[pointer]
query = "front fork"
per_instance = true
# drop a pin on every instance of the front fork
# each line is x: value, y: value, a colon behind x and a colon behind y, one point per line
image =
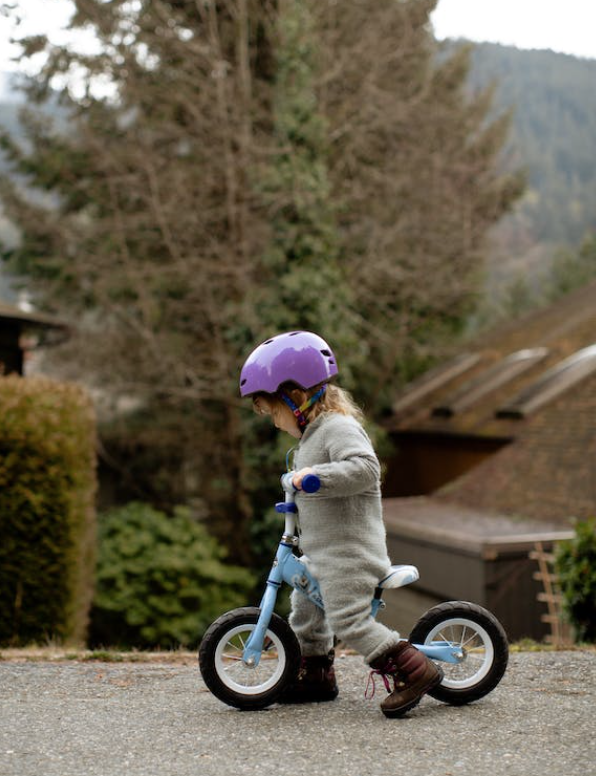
x: 254, y: 645
x: 286, y: 568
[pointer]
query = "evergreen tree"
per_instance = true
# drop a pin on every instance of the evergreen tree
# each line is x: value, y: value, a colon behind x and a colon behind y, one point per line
x: 571, y: 270
x: 150, y: 240
x: 415, y: 160
x: 258, y: 166
x: 303, y: 286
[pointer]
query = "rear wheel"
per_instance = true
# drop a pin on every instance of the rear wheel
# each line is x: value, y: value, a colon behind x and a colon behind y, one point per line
x: 227, y: 675
x: 478, y: 636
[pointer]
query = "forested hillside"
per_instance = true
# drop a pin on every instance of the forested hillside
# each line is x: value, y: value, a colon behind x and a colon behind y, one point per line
x: 8, y: 119
x: 553, y: 136
x: 11, y: 105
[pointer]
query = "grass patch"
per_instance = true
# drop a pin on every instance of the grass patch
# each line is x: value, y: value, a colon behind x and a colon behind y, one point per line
x: 529, y: 645
x: 57, y: 655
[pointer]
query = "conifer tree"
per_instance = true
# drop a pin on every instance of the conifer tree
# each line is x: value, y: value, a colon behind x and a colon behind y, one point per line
x: 415, y: 161
x: 303, y: 286
x: 150, y: 239
x: 258, y: 165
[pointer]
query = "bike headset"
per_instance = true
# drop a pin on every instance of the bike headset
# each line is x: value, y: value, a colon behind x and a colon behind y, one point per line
x: 298, y: 357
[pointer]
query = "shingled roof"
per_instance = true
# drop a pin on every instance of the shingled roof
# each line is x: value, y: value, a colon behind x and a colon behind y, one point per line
x: 32, y: 321
x: 532, y: 385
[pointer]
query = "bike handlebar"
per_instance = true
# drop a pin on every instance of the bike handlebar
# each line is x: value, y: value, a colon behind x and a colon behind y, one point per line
x: 310, y: 483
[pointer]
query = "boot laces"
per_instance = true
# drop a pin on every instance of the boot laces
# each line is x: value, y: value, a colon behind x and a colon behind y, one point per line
x: 389, y: 670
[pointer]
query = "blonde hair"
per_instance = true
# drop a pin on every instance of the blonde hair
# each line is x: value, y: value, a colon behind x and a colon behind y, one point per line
x: 335, y: 399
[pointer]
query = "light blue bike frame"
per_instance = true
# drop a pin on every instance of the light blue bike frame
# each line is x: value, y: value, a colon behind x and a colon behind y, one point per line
x: 295, y: 572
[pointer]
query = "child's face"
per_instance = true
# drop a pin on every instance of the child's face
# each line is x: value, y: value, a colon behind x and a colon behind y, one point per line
x: 281, y: 415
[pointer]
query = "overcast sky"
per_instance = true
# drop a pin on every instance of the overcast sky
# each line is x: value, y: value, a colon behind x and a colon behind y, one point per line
x: 567, y: 26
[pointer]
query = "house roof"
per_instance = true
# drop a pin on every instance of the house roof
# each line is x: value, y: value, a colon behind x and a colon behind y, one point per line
x: 470, y: 393
x: 432, y: 522
x: 548, y: 471
x: 49, y: 328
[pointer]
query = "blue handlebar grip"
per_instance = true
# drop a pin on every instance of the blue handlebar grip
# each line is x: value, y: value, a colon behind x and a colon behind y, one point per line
x: 311, y: 483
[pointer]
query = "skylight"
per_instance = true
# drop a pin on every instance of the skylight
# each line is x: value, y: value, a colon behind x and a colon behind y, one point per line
x: 434, y: 379
x: 553, y: 383
x: 489, y: 380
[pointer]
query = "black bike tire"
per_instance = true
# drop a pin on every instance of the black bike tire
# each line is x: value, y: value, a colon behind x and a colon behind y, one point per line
x: 462, y: 609
x: 247, y: 615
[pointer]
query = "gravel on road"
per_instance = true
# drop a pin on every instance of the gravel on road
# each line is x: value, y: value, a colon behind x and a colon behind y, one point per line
x: 148, y: 719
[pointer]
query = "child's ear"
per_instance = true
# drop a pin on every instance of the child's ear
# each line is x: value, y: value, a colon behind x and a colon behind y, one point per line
x: 261, y: 405
x: 298, y: 396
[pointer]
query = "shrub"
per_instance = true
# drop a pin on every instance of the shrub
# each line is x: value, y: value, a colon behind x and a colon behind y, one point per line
x: 47, y: 517
x: 161, y: 579
x: 576, y: 567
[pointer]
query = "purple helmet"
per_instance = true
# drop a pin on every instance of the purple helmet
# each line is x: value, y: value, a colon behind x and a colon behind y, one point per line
x: 299, y: 357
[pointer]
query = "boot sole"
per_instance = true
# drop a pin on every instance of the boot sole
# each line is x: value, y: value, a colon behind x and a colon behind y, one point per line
x: 308, y: 699
x: 399, y: 712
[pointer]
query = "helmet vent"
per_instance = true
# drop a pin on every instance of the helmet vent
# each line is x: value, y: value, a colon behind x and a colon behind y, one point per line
x: 243, y: 382
x: 326, y: 353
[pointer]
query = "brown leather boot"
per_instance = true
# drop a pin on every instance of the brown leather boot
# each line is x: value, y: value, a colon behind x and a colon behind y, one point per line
x: 413, y: 675
x: 315, y: 682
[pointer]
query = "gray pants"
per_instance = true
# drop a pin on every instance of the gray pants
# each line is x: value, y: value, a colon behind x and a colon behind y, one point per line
x: 347, y: 615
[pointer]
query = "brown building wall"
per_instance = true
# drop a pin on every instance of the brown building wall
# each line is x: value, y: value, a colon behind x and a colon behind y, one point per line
x: 423, y: 463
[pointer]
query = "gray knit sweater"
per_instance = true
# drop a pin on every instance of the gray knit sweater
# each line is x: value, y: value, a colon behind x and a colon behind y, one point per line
x: 341, y: 525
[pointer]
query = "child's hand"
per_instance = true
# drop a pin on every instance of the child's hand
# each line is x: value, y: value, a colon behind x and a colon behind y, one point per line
x: 299, y: 476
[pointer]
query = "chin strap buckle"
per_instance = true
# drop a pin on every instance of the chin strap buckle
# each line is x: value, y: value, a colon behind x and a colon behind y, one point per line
x: 297, y: 411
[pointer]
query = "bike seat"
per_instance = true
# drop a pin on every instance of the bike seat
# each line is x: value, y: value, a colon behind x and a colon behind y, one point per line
x: 398, y: 576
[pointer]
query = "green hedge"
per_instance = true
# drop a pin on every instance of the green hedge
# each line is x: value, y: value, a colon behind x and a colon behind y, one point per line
x: 47, y: 518
x: 576, y: 567
x: 161, y: 580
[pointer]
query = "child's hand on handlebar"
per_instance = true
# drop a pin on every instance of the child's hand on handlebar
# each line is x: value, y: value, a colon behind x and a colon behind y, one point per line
x: 300, y: 475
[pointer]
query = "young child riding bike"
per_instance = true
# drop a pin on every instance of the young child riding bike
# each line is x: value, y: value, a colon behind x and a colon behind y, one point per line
x: 289, y: 378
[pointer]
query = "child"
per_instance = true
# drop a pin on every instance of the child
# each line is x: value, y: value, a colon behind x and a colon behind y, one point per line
x: 341, y: 526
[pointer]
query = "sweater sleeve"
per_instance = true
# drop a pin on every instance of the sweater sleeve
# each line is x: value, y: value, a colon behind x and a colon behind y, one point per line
x: 353, y: 465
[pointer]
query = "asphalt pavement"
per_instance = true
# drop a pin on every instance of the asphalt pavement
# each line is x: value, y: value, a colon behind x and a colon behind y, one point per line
x: 158, y: 719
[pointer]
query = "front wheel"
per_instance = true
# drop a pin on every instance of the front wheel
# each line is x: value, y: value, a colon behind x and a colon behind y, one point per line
x: 229, y: 678
x: 478, y: 636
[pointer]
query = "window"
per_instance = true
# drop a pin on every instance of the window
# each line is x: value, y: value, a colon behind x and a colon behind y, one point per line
x: 553, y: 383
x: 489, y: 380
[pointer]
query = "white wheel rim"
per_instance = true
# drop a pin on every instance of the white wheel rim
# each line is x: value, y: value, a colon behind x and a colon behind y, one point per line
x: 476, y: 645
x: 236, y: 675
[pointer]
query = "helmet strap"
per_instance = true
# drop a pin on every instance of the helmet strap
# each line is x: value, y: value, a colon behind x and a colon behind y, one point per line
x: 298, y: 411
